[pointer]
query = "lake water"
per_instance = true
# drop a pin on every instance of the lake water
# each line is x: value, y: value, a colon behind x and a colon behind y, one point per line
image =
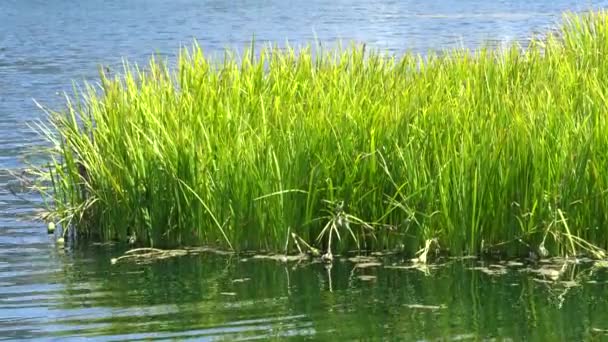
x: 48, y: 292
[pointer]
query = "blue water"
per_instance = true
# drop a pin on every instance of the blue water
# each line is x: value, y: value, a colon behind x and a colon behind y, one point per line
x: 45, y: 45
x: 49, y: 292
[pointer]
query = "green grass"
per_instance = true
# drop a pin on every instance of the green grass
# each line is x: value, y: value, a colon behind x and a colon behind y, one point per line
x: 488, y: 150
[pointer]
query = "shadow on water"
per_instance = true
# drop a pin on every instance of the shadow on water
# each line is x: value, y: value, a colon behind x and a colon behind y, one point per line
x: 218, y: 297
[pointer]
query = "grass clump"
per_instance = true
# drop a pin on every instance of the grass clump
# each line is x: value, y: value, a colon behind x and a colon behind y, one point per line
x: 476, y: 150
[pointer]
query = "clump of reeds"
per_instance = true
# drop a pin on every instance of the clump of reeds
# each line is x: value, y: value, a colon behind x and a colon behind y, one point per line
x: 478, y: 150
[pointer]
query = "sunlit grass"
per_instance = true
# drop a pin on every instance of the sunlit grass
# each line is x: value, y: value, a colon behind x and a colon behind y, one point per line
x: 488, y: 150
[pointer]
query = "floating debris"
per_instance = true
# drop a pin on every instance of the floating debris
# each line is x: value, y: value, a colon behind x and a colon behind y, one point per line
x: 424, y: 268
x: 426, y: 307
x: 491, y: 270
x: 404, y: 267
x: 464, y: 257
x: 240, y: 280
x: 570, y: 283
x: 282, y: 257
x: 383, y: 254
x: 368, y: 264
x: 199, y: 250
x: 513, y: 263
x: 547, y: 272
x: 556, y: 261
x: 103, y: 244
x: 542, y: 281
x: 601, y: 264
x: 363, y: 259
x: 146, y: 255
x: 228, y: 293
x: 599, y: 331
x: 584, y: 260
x: 367, y: 277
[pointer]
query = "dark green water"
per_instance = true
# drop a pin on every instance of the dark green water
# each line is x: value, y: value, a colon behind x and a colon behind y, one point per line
x: 237, y: 298
x: 48, y: 292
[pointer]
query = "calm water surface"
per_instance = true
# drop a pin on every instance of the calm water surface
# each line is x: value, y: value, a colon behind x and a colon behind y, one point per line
x: 48, y: 292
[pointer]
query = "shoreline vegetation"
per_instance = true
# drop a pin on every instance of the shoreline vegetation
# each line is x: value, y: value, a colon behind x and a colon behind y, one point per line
x: 468, y: 152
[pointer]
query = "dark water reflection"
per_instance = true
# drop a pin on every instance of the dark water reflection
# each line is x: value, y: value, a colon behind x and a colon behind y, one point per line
x: 212, y: 297
x: 48, y: 292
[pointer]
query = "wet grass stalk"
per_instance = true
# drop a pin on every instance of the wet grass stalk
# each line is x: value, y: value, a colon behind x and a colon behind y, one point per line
x: 469, y: 148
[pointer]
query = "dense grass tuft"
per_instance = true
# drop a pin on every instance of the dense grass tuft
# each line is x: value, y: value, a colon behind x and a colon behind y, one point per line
x: 480, y: 150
